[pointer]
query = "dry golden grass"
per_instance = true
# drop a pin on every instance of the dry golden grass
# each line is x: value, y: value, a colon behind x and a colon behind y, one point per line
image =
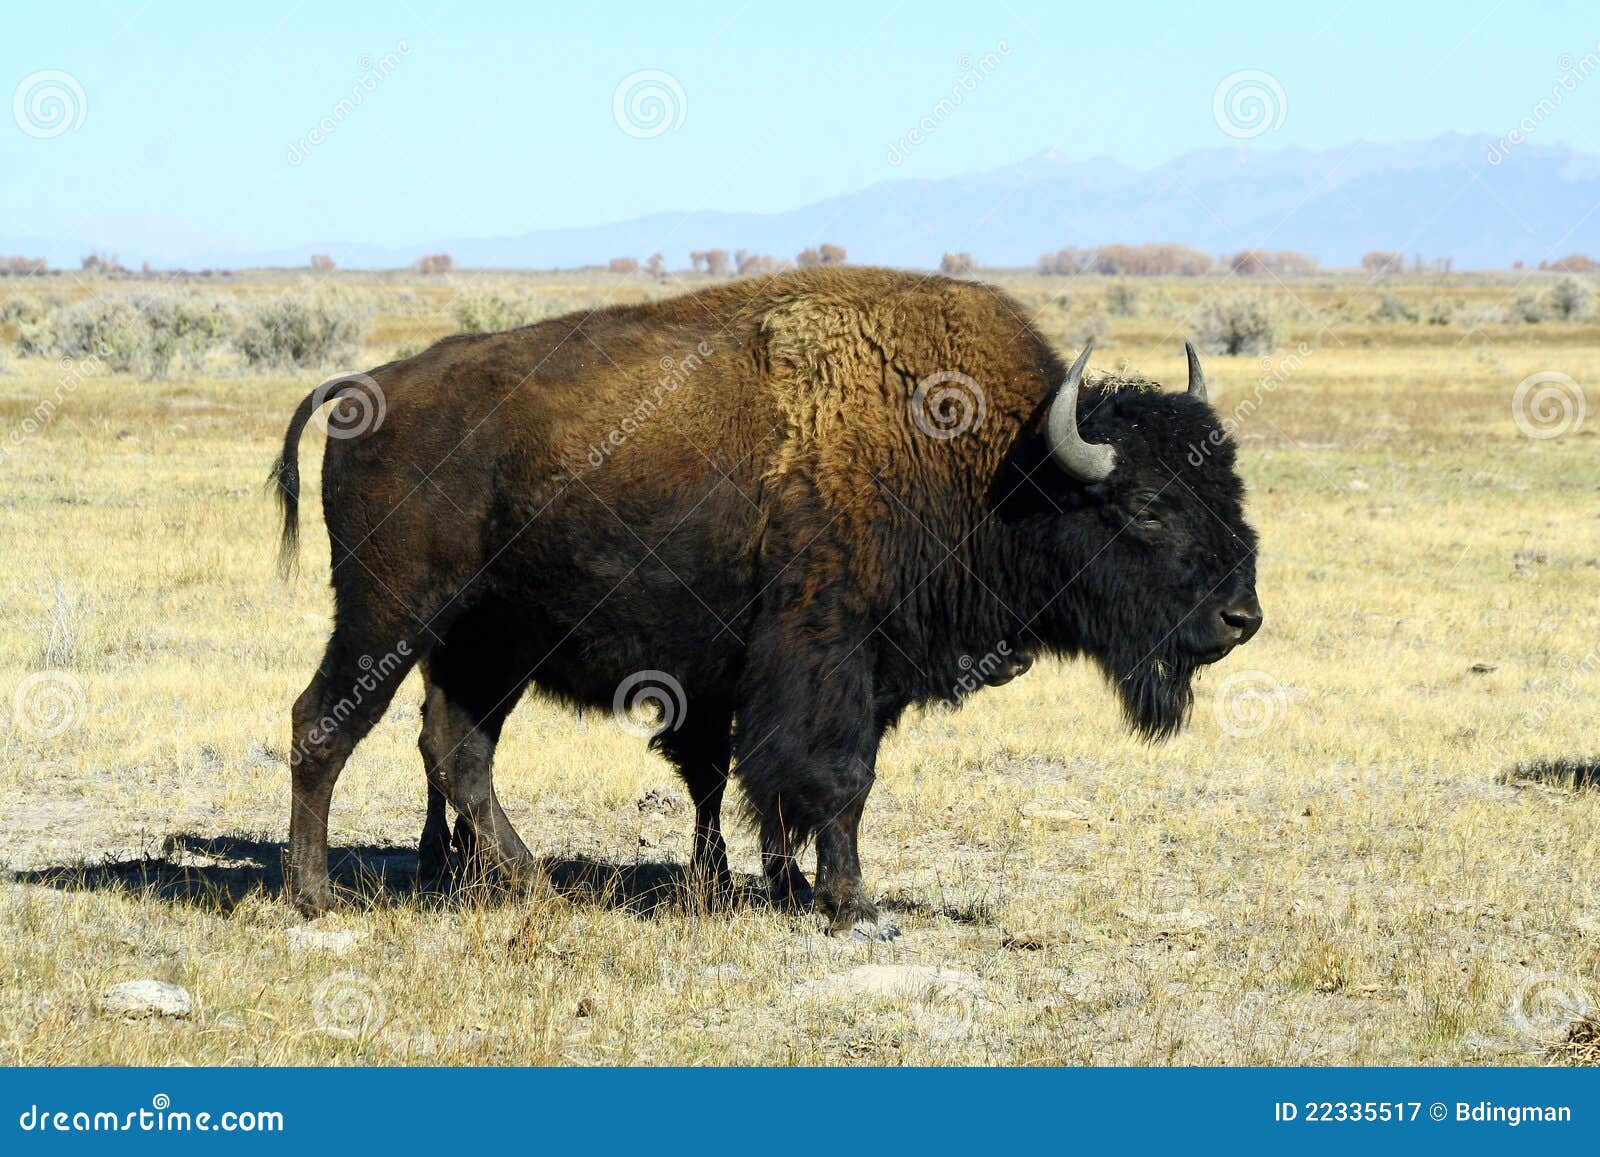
x: 1366, y: 848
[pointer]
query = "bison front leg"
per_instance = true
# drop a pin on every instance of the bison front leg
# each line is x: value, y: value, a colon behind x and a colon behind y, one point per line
x: 807, y: 745
x: 433, y: 849
x: 700, y: 748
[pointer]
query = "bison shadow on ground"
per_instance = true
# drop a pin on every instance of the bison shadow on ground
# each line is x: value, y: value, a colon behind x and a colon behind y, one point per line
x: 220, y: 872
x: 1571, y: 774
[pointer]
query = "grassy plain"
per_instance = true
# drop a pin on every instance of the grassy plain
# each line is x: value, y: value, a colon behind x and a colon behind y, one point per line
x: 1339, y: 862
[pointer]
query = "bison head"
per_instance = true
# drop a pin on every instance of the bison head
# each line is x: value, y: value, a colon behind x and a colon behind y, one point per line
x: 1137, y: 527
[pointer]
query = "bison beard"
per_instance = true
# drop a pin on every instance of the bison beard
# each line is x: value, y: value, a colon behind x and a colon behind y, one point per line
x: 766, y: 494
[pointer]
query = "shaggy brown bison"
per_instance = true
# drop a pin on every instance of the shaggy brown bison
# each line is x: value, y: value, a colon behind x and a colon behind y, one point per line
x: 793, y: 506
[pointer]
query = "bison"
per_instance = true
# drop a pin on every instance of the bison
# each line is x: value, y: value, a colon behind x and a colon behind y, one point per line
x: 795, y: 506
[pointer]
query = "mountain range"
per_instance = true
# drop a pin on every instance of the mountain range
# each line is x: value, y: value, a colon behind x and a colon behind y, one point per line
x: 1480, y: 202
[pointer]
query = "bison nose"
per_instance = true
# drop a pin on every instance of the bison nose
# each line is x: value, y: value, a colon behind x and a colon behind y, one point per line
x: 1244, y: 618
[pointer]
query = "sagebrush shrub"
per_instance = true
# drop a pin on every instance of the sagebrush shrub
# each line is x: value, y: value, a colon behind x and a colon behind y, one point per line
x: 1236, y: 324
x: 26, y: 321
x: 141, y: 333
x: 301, y: 330
x: 1391, y: 309
x: 1570, y: 299
x: 109, y: 329
x: 481, y: 311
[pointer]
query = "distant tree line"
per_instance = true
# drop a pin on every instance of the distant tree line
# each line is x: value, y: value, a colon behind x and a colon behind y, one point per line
x: 742, y: 263
x: 1164, y: 260
x: 1573, y: 263
x: 22, y: 266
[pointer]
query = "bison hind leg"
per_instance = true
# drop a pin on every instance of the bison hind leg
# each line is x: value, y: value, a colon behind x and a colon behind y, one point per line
x: 344, y: 700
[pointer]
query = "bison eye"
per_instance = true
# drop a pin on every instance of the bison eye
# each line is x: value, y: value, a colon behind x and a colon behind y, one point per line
x: 1147, y: 520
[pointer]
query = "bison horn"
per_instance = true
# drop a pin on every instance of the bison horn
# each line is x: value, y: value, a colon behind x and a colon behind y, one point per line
x: 1086, y: 461
x: 1197, y: 376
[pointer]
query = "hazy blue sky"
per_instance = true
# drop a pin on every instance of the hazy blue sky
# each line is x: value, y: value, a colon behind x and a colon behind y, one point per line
x: 498, y: 119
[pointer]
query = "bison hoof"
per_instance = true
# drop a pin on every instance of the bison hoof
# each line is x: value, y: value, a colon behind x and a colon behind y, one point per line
x: 313, y: 901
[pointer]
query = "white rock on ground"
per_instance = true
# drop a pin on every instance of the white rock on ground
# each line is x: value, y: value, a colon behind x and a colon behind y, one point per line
x: 896, y: 980
x: 145, y: 998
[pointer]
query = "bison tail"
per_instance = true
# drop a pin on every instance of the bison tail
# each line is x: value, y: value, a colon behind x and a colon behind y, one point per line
x: 285, y: 477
